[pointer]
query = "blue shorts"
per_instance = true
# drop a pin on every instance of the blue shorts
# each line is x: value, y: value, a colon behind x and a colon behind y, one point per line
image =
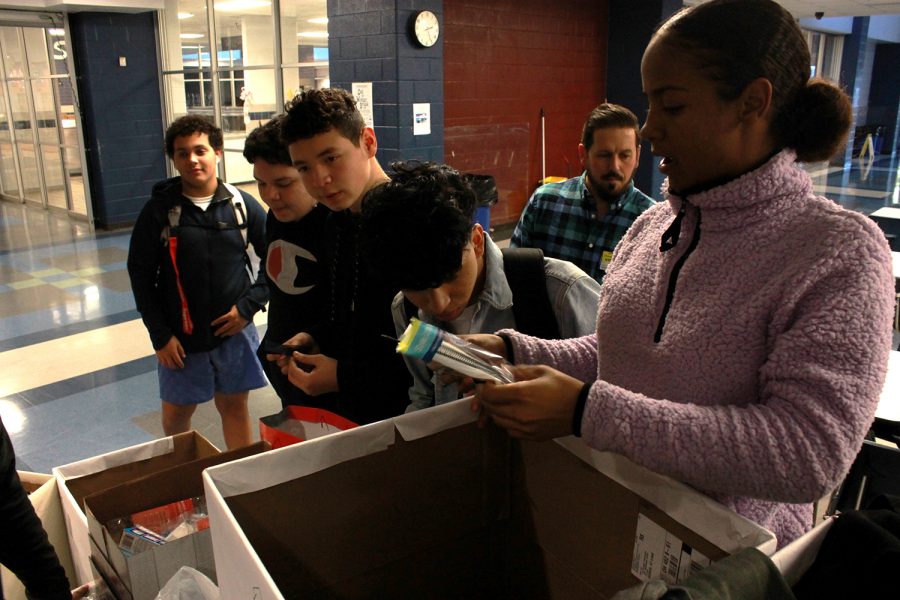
x: 230, y: 368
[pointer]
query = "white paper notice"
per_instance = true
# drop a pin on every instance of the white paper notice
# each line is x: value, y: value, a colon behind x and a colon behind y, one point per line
x: 362, y: 92
x: 660, y: 555
x: 422, y: 118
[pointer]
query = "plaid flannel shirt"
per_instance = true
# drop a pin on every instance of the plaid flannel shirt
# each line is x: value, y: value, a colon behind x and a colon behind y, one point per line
x: 561, y: 219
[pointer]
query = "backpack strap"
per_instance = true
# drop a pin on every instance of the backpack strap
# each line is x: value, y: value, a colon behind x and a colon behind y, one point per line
x: 240, y: 211
x: 170, y: 229
x: 524, y: 269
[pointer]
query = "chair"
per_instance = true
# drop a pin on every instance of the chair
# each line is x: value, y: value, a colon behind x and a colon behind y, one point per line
x: 875, y: 471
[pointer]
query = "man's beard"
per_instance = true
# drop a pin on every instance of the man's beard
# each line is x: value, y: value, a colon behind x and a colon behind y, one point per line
x: 602, y: 188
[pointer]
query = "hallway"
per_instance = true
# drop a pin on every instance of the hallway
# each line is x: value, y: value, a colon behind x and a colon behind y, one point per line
x: 77, y: 373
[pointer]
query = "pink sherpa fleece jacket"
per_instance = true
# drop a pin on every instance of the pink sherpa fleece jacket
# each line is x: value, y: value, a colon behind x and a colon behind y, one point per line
x: 771, y: 352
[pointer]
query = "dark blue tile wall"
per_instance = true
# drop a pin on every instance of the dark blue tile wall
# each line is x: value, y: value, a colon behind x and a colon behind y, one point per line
x: 631, y: 27
x: 369, y: 41
x: 121, y: 109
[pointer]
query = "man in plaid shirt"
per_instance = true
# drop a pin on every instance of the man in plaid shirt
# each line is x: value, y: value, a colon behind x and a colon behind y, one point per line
x: 582, y: 219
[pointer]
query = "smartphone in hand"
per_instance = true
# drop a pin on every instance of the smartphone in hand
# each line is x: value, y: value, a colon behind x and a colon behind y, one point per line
x: 270, y: 347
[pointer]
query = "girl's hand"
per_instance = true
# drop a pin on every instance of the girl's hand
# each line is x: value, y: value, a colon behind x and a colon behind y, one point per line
x: 539, y: 405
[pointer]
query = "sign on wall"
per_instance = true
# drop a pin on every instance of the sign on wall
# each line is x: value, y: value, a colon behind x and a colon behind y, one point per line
x: 422, y: 118
x: 362, y: 92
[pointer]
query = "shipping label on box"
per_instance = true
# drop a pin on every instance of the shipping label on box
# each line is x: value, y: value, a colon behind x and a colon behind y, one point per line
x: 430, y: 504
x: 659, y: 554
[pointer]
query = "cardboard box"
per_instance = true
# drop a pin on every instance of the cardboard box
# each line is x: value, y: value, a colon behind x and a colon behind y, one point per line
x: 79, y: 479
x: 44, y: 495
x: 102, y: 571
x: 145, y: 573
x: 797, y: 557
x: 429, y: 505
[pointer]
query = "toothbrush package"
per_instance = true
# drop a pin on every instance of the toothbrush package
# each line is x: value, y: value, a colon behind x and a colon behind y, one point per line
x: 432, y: 344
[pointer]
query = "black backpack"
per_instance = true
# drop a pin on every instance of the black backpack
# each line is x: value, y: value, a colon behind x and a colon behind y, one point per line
x: 524, y: 268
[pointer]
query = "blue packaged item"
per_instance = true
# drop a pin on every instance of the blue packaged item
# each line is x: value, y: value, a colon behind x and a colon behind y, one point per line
x: 432, y: 344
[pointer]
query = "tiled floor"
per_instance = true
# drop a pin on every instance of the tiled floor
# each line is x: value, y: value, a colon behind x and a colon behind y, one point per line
x: 77, y: 374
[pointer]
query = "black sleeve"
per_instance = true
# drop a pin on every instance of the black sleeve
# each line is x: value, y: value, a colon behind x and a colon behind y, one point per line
x: 373, y: 379
x: 143, y: 268
x: 24, y: 547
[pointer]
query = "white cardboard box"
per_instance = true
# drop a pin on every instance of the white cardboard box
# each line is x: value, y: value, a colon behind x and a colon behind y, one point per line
x: 795, y: 559
x: 428, y: 504
x: 44, y: 497
x: 79, y: 479
x: 145, y: 573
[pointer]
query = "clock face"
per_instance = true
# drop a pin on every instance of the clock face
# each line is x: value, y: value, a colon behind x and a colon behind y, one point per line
x: 426, y: 28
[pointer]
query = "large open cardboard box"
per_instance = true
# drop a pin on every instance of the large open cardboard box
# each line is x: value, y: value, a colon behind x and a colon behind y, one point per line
x: 44, y: 495
x: 79, y: 479
x: 144, y: 574
x: 797, y: 557
x: 430, y: 505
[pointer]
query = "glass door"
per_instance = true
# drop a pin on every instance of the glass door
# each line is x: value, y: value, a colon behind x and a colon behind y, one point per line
x: 40, y: 143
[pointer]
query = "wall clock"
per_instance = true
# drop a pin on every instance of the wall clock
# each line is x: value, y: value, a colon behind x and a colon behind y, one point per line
x: 425, y: 28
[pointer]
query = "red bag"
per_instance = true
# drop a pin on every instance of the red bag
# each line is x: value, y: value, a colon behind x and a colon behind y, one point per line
x: 300, y: 423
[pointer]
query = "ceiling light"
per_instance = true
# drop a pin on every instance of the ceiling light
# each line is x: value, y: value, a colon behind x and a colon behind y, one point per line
x: 318, y: 21
x: 185, y: 15
x: 56, y: 32
x: 191, y: 36
x: 313, y: 34
x: 239, y: 5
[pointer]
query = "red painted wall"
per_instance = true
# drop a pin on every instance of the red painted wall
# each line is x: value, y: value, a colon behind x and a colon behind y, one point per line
x: 504, y: 60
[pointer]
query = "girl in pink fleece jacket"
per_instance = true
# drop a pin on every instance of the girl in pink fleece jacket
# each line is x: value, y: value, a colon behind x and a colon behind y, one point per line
x: 744, y: 326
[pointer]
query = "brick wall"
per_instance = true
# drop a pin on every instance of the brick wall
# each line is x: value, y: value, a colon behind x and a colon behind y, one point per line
x: 121, y: 110
x: 503, y: 62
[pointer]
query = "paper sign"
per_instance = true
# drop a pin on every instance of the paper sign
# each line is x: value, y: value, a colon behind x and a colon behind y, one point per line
x: 660, y: 555
x: 362, y: 92
x: 422, y: 118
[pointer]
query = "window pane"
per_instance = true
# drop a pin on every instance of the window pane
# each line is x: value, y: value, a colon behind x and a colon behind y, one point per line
x: 183, y: 23
x: 244, y: 33
x: 21, y: 117
x: 303, y: 23
x: 14, y: 59
x: 36, y: 49
x: 297, y: 79
x: 53, y: 176
x: 304, y: 42
x: 8, y: 183
x: 29, y: 172
x: 249, y: 113
x: 4, y: 120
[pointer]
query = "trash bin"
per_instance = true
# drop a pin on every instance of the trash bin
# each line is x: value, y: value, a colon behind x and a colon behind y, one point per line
x: 485, y: 188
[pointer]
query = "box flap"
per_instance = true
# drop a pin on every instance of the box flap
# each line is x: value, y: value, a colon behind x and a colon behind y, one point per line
x: 726, y: 529
x: 101, y: 472
x: 241, y: 476
x: 156, y: 489
x: 794, y: 559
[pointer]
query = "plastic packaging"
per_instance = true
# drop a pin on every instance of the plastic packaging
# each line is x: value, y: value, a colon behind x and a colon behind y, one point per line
x: 432, y: 344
